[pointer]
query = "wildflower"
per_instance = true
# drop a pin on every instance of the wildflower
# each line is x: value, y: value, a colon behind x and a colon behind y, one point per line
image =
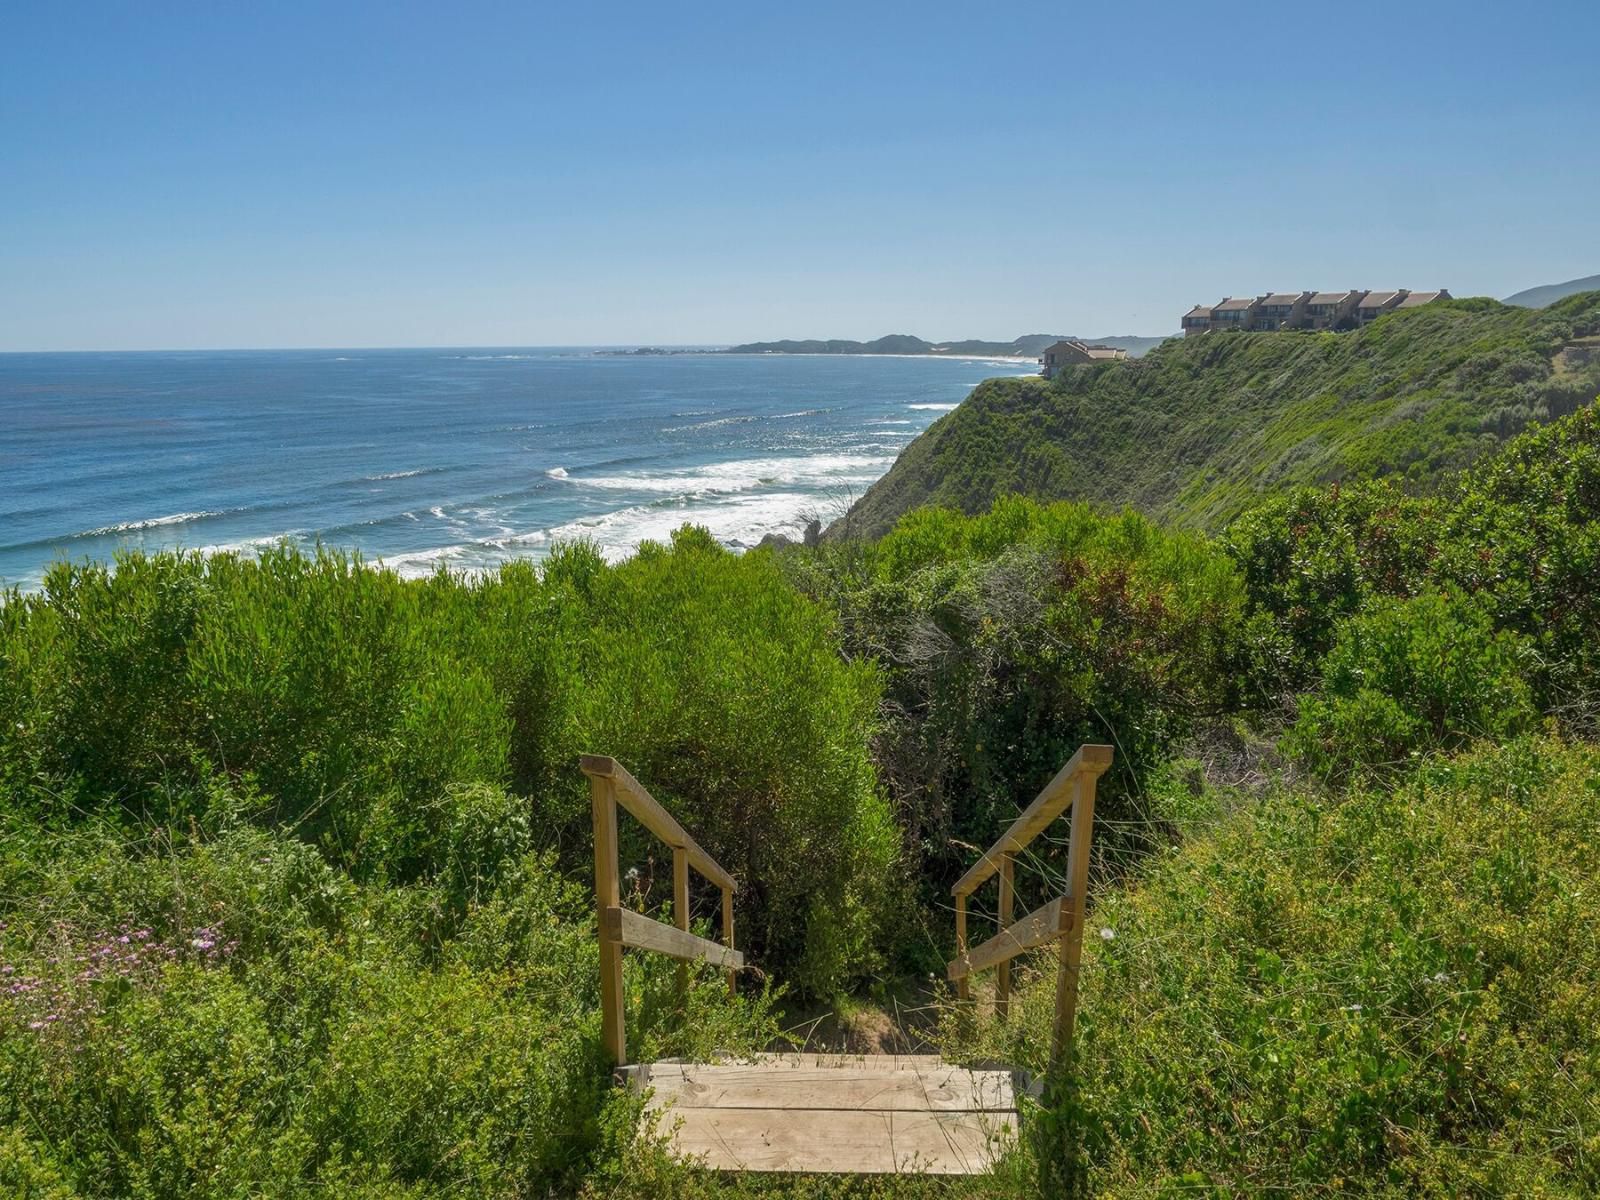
x: 36, y: 1025
x: 201, y: 943
x: 1107, y: 934
x: 1352, y: 1008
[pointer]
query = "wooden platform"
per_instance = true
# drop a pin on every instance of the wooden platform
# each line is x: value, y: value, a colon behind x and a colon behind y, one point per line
x: 867, y: 1114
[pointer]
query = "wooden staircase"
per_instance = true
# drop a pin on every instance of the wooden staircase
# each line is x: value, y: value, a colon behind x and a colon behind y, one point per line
x: 848, y: 1113
x: 845, y: 1113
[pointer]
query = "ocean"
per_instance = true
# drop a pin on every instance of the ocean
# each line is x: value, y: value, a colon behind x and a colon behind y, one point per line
x: 460, y: 458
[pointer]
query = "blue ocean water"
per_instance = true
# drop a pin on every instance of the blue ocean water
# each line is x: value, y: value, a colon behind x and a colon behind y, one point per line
x: 462, y: 457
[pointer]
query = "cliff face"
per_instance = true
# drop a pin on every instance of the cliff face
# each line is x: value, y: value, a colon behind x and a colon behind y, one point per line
x: 1198, y: 429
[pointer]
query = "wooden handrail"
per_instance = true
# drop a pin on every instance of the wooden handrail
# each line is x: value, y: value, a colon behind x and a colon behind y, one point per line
x: 631, y: 795
x: 1046, y: 807
x: 1060, y: 920
x: 610, y: 784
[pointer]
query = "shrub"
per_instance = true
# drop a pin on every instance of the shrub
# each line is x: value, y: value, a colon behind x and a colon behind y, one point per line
x: 409, y: 728
x: 1388, y: 996
x: 1407, y: 676
x: 1011, y: 638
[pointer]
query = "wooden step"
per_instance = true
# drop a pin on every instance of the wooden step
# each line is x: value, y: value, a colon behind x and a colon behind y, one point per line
x: 834, y: 1113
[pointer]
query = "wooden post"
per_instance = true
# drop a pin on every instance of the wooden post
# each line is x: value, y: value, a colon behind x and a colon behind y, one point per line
x: 680, y: 913
x: 727, y: 937
x: 1078, y: 844
x: 608, y: 894
x: 963, y: 987
x: 1002, y: 982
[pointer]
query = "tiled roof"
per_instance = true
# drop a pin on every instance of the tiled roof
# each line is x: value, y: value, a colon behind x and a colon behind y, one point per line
x: 1231, y: 305
x: 1418, y: 299
x: 1331, y: 297
x: 1199, y: 310
x: 1286, y: 299
x: 1379, y: 299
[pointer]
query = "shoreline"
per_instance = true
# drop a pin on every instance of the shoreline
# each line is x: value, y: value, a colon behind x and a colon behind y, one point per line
x: 980, y: 358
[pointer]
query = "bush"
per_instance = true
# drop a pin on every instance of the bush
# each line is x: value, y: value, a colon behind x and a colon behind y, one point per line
x: 1388, y: 996
x: 1408, y: 676
x: 229, y: 1016
x: 404, y: 726
x: 1010, y: 639
x: 1520, y: 531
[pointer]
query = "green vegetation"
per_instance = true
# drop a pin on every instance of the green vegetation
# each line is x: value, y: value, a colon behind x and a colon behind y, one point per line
x: 1029, y: 345
x: 1200, y: 429
x: 1388, y: 995
x: 295, y: 858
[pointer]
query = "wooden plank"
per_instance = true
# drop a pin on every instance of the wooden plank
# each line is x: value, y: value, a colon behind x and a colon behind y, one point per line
x: 1002, y: 975
x: 727, y: 936
x: 1079, y: 841
x: 813, y: 1059
x: 635, y: 929
x: 841, y: 1141
x: 680, y: 912
x: 939, y: 1087
x: 963, y: 988
x: 630, y: 793
x: 1090, y: 761
x: 607, y: 896
x: 1044, y: 924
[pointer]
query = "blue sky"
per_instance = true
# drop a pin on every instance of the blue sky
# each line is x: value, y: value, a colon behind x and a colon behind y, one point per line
x: 286, y: 174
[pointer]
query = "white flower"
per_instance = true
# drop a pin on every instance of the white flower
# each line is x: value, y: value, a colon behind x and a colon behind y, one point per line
x: 1107, y: 934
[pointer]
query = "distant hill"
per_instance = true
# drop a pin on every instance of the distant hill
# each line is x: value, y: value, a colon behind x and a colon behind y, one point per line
x: 1539, y: 297
x: 1197, y: 429
x: 1029, y: 345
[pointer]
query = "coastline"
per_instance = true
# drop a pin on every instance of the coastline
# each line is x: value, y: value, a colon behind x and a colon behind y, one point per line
x: 557, y: 450
x: 1009, y: 359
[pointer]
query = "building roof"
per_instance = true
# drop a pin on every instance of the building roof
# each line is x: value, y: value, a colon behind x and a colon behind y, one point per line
x: 1418, y: 299
x: 1379, y: 299
x: 1332, y: 297
x: 1287, y: 299
x: 1105, y: 352
x: 1199, y: 310
x: 1229, y: 304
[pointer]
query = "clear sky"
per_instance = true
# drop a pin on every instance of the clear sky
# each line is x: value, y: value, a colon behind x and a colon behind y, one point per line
x: 381, y: 174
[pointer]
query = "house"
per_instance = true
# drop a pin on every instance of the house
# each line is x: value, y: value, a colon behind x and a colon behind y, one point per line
x: 1282, y: 310
x: 1071, y: 353
x: 1332, y: 310
x: 1235, y: 314
x: 1418, y: 299
x: 1197, y: 320
x: 1375, y: 304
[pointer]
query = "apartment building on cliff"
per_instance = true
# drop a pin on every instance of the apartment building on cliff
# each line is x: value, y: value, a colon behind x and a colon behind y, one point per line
x: 1301, y: 310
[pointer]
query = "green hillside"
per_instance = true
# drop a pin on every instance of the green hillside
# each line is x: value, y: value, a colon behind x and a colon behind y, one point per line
x: 1197, y: 430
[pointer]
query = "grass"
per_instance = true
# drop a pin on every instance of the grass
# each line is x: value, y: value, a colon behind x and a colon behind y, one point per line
x: 1385, y: 993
